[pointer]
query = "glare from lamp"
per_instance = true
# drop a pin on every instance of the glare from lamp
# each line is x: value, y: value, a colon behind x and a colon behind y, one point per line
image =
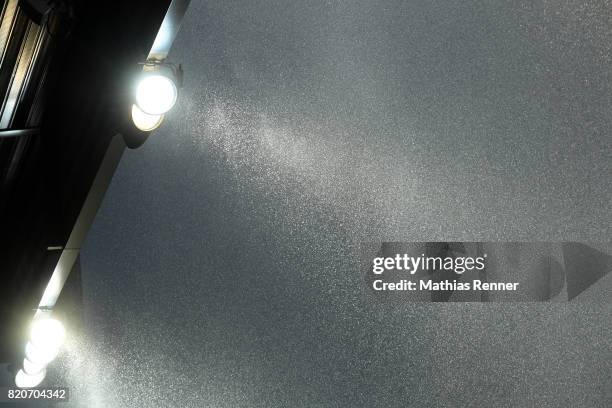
x: 25, y: 380
x: 31, y: 368
x: 40, y: 355
x: 156, y: 94
x: 144, y: 121
x: 47, y: 333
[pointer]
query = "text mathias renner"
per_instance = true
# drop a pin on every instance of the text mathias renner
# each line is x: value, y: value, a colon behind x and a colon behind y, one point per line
x: 406, y: 284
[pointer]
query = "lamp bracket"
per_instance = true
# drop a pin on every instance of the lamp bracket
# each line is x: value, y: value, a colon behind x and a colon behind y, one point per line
x: 177, y: 70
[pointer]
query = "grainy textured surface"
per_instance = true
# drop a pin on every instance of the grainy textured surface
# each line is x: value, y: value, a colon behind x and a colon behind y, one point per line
x: 222, y: 269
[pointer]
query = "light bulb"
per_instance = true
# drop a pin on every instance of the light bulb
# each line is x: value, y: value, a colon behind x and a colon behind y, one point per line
x: 31, y: 368
x: 25, y: 380
x: 144, y: 121
x: 156, y: 94
x: 40, y: 355
x: 47, y: 333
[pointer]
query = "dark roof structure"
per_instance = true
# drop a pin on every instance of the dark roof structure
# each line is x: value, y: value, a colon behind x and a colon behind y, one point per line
x: 65, y: 92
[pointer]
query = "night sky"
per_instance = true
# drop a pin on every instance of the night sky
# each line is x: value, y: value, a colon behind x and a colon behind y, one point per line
x: 223, y: 267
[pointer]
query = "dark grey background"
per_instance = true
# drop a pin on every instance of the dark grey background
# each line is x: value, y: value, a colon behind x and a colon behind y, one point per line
x: 223, y: 270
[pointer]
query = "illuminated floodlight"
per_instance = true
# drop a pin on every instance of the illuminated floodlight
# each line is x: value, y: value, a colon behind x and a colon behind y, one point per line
x: 144, y: 121
x: 156, y: 93
x: 46, y: 337
x: 40, y: 355
x: 31, y: 368
x: 25, y: 380
x: 47, y: 333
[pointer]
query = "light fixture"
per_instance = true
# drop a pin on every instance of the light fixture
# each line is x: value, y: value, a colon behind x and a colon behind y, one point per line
x: 46, y: 337
x: 144, y: 121
x: 25, y: 380
x: 40, y: 355
x: 156, y: 92
x: 47, y: 333
x: 31, y: 368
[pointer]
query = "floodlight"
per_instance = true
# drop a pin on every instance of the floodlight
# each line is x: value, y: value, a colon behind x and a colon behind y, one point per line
x: 25, y: 380
x: 31, y: 368
x: 47, y: 333
x: 156, y: 93
x: 40, y: 355
x: 144, y: 121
